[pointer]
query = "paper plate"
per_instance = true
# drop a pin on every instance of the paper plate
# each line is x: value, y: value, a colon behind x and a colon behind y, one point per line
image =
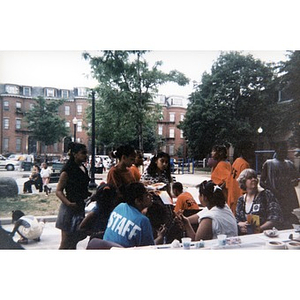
x: 275, y: 245
x: 271, y: 232
x: 293, y: 245
x: 156, y: 186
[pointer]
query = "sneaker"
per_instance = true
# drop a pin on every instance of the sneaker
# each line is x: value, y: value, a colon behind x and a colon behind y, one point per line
x: 23, y: 241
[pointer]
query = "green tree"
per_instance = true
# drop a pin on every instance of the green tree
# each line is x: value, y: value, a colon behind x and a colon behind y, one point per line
x: 230, y: 104
x: 289, y: 72
x: 44, y: 122
x: 124, y: 110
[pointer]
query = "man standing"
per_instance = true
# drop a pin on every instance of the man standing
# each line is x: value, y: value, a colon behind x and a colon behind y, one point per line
x: 281, y: 177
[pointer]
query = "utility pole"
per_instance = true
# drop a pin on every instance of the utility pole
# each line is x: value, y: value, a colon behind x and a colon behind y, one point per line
x: 92, y: 184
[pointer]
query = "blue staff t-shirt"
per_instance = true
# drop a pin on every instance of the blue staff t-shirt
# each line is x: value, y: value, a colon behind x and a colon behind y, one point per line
x: 128, y: 227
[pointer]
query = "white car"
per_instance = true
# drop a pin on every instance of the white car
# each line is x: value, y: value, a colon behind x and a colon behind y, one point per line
x: 9, y: 165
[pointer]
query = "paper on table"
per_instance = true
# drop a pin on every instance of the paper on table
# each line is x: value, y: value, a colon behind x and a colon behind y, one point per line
x: 156, y: 186
x: 165, y: 197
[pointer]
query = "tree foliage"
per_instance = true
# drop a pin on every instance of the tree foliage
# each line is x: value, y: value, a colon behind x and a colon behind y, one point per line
x: 231, y: 103
x: 290, y: 89
x: 124, y: 108
x: 44, y: 122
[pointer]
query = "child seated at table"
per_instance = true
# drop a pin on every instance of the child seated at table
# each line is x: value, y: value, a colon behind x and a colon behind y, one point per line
x: 185, y: 200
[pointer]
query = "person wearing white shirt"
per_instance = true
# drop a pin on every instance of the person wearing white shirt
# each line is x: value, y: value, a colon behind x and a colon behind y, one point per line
x: 45, y: 174
x: 216, y: 218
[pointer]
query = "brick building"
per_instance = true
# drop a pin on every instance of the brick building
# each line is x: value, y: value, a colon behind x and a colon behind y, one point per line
x: 15, y: 100
x: 171, y: 138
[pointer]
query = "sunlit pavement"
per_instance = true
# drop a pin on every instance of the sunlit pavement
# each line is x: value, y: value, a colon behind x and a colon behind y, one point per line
x: 50, y: 239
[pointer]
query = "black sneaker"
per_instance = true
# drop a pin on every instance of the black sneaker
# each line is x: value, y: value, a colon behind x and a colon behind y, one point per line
x: 23, y: 241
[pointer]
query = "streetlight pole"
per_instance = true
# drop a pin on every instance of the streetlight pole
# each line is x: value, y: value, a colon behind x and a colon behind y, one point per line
x: 75, y: 121
x: 259, y: 131
x: 92, y: 184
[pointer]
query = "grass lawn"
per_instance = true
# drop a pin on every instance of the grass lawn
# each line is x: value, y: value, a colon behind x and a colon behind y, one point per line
x: 30, y: 204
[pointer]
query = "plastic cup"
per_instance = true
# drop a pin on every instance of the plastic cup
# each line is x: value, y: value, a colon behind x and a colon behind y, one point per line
x: 186, y: 242
x: 199, y: 244
x: 222, y: 239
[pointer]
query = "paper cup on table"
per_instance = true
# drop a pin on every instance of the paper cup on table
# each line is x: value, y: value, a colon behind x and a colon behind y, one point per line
x: 222, y: 239
x: 199, y: 244
x: 186, y: 242
x: 275, y: 245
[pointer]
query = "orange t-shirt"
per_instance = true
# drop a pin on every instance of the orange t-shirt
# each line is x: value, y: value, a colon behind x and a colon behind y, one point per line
x: 234, y: 191
x: 220, y: 175
x: 185, y: 201
x: 135, y: 172
x: 117, y: 177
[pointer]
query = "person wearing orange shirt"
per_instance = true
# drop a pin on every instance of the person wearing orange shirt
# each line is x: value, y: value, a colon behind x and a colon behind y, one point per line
x: 243, y: 153
x: 120, y: 175
x: 221, y: 171
x: 139, y: 160
x: 185, y: 200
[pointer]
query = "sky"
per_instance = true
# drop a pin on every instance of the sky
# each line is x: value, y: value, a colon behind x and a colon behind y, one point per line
x: 67, y: 69
x: 42, y: 46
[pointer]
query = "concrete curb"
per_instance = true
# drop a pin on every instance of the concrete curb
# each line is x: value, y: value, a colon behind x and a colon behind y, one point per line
x: 7, y: 221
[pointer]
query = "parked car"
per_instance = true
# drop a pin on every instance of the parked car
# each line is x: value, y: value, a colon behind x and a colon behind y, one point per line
x: 21, y: 157
x: 8, y: 164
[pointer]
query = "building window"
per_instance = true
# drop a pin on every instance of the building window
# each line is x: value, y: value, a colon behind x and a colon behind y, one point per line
x: 79, y: 109
x: 18, y: 144
x: 181, y: 117
x: 160, y: 129
x: 31, y: 106
x: 79, y: 126
x: 50, y: 92
x: 6, y: 123
x: 64, y: 93
x: 18, y: 123
x: 171, y: 133
x: 171, y: 149
x: 18, y: 105
x: 82, y: 92
x: 68, y: 124
x: 6, y: 105
x: 55, y: 147
x: 176, y: 101
x: 12, y: 89
x: 67, y: 110
x: 26, y: 91
x: 181, y: 134
x: 5, y: 144
x: 172, y: 117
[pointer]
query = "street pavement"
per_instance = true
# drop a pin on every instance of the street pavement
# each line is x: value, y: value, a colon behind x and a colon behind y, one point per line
x: 50, y: 238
